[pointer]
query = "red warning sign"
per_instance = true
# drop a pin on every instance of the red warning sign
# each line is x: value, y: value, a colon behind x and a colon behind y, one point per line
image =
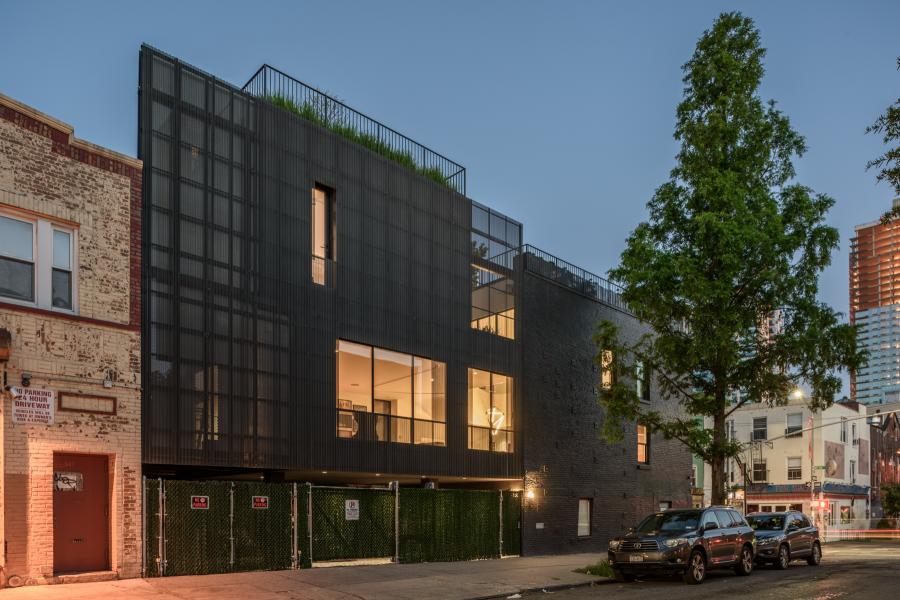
x: 260, y: 502
x: 200, y: 502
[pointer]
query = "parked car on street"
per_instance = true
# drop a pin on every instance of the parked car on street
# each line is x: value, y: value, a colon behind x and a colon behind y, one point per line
x: 685, y: 541
x: 785, y: 536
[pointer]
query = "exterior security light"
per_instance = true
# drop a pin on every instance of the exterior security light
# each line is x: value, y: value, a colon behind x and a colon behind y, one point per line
x: 530, y: 494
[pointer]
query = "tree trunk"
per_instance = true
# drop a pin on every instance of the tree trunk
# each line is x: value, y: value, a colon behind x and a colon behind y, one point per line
x: 717, y: 460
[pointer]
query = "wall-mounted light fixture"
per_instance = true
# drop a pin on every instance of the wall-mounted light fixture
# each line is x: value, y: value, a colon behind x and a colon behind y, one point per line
x: 26, y: 379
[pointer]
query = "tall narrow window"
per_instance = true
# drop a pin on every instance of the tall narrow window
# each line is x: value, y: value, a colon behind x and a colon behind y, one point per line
x: 606, y: 369
x: 642, y: 381
x: 844, y: 429
x: 794, y: 425
x: 643, y: 445
x: 62, y: 269
x: 16, y: 259
x: 584, y: 517
x: 490, y: 411
x: 323, y: 233
x: 760, y: 429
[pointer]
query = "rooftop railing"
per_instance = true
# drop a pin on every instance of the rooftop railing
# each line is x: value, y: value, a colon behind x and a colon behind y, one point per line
x: 575, y: 278
x: 279, y: 88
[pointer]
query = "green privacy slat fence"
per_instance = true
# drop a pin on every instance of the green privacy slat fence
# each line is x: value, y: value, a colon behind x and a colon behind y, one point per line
x: 263, y: 522
x: 151, y: 529
x: 445, y: 525
x: 512, y: 523
x: 198, y: 540
x: 201, y: 527
x: 336, y: 535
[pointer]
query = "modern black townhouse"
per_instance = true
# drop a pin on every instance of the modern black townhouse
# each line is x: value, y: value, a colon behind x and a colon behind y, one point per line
x: 323, y: 303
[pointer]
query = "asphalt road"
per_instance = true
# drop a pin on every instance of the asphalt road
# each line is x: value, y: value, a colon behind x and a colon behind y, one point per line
x: 848, y: 570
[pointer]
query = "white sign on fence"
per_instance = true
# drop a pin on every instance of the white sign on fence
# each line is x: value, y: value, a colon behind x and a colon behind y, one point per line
x: 32, y: 406
x: 351, y: 510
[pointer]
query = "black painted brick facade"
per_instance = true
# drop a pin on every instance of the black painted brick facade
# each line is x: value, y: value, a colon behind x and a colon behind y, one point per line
x: 565, y: 456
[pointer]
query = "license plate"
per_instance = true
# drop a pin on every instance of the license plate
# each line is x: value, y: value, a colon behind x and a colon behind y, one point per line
x: 636, y: 558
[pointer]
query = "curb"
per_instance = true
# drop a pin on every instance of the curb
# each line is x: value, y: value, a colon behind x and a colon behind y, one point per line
x: 548, y: 588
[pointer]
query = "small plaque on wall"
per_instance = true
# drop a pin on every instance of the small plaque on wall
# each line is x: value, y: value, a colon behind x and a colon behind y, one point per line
x: 87, y: 403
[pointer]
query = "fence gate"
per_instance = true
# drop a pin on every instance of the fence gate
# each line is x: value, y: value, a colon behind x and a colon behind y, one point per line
x: 204, y: 527
x: 349, y: 523
x: 444, y: 525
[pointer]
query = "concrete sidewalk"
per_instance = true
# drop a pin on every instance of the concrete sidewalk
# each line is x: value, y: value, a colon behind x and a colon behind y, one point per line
x: 443, y: 581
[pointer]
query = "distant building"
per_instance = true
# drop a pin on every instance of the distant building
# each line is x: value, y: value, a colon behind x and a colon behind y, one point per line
x: 885, y: 434
x: 875, y: 309
x: 778, y: 470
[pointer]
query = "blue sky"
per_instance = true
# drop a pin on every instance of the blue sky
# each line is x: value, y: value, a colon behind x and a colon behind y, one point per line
x: 562, y: 112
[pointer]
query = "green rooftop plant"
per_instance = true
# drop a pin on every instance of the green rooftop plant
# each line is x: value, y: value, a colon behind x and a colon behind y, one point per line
x: 318, y: 113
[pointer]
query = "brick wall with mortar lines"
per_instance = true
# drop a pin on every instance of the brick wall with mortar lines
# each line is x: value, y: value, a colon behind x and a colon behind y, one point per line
x: 45, y: 171
x: 565, y: 457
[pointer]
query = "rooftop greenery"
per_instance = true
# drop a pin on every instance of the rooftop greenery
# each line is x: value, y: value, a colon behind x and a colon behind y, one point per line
x: 317, y: 114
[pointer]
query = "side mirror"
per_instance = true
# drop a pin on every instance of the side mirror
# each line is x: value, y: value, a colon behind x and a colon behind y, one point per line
x: 709, y: 526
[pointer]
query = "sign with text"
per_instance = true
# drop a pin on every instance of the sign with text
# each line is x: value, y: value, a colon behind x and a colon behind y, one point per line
x: 31, y: 406
x: 260, y: 502
x: 351, y: 510
x: 200, y: 502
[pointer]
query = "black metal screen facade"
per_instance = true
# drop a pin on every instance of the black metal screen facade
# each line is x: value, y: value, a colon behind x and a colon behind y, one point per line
x: 239, y: 336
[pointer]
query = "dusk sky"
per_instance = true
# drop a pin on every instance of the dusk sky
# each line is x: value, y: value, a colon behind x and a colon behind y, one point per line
x: 562, y: 112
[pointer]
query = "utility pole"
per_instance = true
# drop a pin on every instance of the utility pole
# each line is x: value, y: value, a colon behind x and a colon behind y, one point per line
x: 812, y: 467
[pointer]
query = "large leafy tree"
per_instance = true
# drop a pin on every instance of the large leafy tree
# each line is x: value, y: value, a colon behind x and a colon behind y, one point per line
x: 887, y: 166
x: 730, y: 240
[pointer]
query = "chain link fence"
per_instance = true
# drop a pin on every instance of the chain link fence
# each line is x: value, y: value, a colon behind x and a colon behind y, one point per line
x: 204, y: 527
x: 349, y: 523
x: 446, y: 525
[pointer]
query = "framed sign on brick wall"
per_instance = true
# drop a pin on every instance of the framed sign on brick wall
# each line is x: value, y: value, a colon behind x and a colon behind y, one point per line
x: 87, y: 403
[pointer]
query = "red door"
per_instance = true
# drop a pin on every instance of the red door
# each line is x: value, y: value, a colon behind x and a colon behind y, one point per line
x: 80, y: 513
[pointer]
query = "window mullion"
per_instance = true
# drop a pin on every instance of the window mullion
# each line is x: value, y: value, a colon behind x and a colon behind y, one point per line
x: 43, y: 263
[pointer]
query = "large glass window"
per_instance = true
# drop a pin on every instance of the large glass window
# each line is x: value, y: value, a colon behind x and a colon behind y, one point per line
x: 495, y: 239
x: 490, y: 411
x: 390, y: 396
x: 16, y: 259
x: 322, y: 233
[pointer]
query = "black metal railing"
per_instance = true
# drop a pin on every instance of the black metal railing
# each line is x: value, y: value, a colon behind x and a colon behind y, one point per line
x: 281, y: 89
x: 379, y: 427
x: 575, y: 278
x: 493, y: 440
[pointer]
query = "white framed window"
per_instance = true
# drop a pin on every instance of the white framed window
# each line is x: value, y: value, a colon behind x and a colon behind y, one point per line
x: 17, y: 251
x: 794, y: 424
x: 584, y: 517
x: 38, y: 261
x: 844, y: 429
x: 794, y: 468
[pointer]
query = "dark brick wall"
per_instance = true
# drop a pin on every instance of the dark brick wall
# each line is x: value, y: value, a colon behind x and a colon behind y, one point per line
x: 564, y: 455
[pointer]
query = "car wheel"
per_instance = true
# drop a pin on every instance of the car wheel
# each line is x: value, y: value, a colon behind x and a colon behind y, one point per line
x: 622, y: 577
x: 816, y: 557
x: 784, y: 557
x: 745, y: 562
x: 696, y: 570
